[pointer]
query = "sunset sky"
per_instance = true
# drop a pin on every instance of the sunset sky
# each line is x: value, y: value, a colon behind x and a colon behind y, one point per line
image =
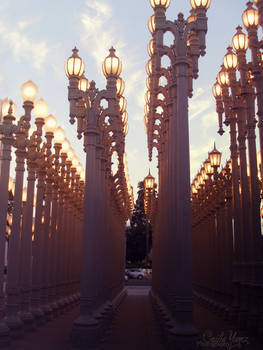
x: 36, y: 37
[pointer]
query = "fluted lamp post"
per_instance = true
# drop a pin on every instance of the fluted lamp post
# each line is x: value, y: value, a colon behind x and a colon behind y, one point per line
x: 148, y: 192
x: 29, y: 92
x: 176, y: 249
x: 103, y: 130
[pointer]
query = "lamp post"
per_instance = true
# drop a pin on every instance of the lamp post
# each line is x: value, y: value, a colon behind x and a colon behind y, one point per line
x: 29, y: 91
x: 104, y: 130
x: 148, y: 193
x: 173, y: 151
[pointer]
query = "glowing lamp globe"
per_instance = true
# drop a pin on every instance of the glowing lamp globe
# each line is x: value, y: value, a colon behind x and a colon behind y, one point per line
x: 215, y: 157
x: 157, y: 3
x: 250, y: 16
x: 120, y: 85
x: 149, y: 68
x: 151, y: 24
x: 208, y: 167
x: 65, y: 146
x: 41, y: 109
x: 74, y: 65
x: 70, y: 154
x: 50, y: 123
x: 223, y: 78
x: 200, y: 4
x: 24, y: 194
x: 112, y: 65
x: 125, y: 129
x: 6, y: 104
x: 29, y: 91
x: 124, y: 117
x: 122, y: 104
x: 59, y: 135
x: 149, y: 181
x: 75, y: 162
x: 83, y: 84
x: 150, y: 48
x: 240, y: 41
x: 230, y: 59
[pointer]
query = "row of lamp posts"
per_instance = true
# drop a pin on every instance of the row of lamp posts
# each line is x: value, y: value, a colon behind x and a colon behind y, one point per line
x: 102, y: 118
x: 239, y: 95
x: 166, y: 122
x: 42, y: 268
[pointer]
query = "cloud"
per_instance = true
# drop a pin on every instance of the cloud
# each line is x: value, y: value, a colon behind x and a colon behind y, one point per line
x: 198, y: 106
x: 97, y: 30
x: 21, y: 45
x: 208, y: 120
x: 100, y: 31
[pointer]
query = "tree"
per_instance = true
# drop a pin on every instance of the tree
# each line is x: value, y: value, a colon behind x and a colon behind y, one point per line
x: 136, y: 232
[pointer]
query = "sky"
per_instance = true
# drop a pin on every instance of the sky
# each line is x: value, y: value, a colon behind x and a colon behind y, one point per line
x: 36, y: 38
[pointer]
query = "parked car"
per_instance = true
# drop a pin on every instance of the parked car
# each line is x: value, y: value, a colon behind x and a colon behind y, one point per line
x: 135, y: 273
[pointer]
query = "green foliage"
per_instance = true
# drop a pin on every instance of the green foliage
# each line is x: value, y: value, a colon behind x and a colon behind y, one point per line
x: 136, y: 233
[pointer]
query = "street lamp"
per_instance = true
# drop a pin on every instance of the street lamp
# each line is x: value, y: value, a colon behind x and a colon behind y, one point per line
x: 104, y: 130
x: 166, y: 122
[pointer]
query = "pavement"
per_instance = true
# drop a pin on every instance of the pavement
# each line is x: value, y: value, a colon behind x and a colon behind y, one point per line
x: 135, y: 328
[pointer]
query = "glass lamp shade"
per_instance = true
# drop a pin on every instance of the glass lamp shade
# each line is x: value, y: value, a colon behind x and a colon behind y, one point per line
x: 122, y: 104
x: 146, y: 109
x: 125, y: 129
x: 145, y: 121
x: 120, y: 85
x: 124, y: 117
x: 41, y: 109
x: 75, y: 162
x: 240, y: 41
x: 74, y: 65
x: 147, y: 96
x: 112, y: 65
x: 82, y: 175
x: 151, y: 24
x: 208, y: 167
x: 217, y: 90
x: 71, y: 154
x: 215, y: 157
x: 204, y: 174
x: 83, y: 84
x: 150, y: 48
x: 24, y: 194
x: 223, y: 78
x: 156, y: 3
x: 250, y: 16
x: 50, y: 123
x: 6, y: 104
x: 65, y: 146
x: 59, y: 135
x: 149, y: 181
x: 79, y: 169
x: 29, y: 91
x: 200, y: 4
x: 230, y: 59
x: 149, y: 68
x: 11, y: 184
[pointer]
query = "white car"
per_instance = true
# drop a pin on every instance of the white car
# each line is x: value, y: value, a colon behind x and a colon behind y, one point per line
x: 135, y: 273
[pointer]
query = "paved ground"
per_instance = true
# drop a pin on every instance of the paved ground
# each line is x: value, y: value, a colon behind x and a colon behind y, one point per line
x: 134, y: 328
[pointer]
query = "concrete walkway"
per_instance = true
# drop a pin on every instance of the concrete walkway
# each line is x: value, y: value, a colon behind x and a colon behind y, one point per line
x: 134, y: 328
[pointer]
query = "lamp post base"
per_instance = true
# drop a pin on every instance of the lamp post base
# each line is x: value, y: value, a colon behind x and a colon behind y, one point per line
x: 88, y: 330
x: 15, y: 325
x: 176, y: 336
x: 4, y: 334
